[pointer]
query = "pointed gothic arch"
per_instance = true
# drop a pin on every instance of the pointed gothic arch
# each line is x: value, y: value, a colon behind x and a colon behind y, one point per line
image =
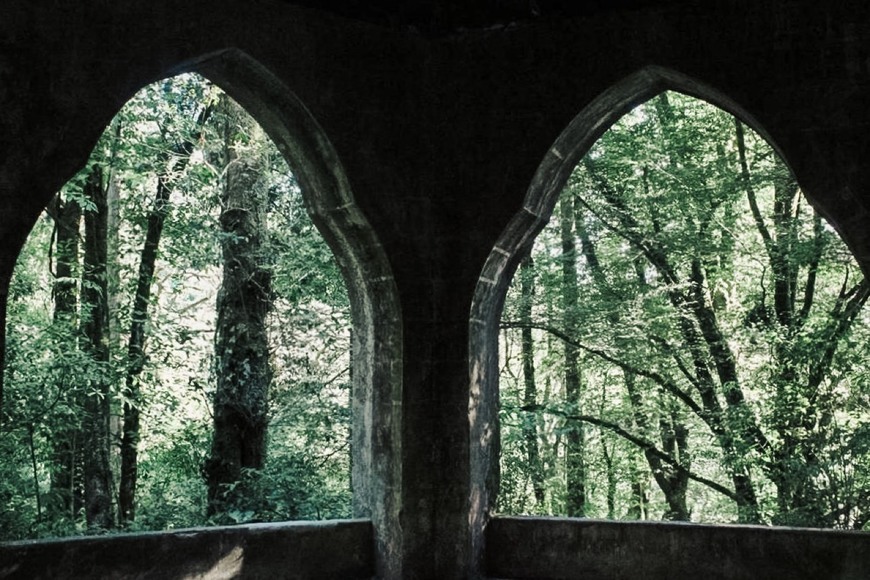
x: 516, y: 240
x: 376, y: 318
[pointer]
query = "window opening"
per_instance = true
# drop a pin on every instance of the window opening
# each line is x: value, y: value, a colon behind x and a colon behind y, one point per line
x: 245, y: 299
x: 684, y: 341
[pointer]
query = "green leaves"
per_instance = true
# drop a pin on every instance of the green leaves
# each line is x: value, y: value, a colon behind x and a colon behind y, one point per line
x: 47, y: 373
x: 710, y: 292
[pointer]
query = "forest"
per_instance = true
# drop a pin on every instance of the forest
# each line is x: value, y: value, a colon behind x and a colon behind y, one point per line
x: 178, y: 336
x: 685, y: 340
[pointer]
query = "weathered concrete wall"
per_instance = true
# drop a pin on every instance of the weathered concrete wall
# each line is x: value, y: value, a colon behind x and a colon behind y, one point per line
x: 420, y: 155
x: 339, y: 549
x: 572, y: 549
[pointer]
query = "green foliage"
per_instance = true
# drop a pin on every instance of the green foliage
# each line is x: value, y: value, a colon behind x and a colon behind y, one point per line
x: 715, y: 304
x: 307, y: 469
x: 172, y: 491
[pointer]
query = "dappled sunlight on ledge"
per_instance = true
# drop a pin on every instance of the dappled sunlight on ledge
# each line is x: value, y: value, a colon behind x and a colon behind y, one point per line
x: 227, y: 567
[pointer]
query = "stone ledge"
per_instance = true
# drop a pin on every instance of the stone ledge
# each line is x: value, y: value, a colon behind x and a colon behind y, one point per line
x: 298, y: 550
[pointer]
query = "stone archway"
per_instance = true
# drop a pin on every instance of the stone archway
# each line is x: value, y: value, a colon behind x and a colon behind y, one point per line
x: 517, y: 238
x: 375, y: 311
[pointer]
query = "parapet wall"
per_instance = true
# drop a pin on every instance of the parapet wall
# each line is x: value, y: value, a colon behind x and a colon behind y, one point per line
x: 575, y: 549
x: 336, y: 549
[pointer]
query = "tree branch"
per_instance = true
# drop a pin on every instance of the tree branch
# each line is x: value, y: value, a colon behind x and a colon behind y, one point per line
x: 630, y: 227
x: 652, y: 375
x: 639, y: 442
x: 769, y: 244
x: 812, y: 270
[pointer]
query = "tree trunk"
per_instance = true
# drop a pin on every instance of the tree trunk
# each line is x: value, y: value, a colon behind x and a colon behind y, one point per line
x: 530, y: 392
x: 673, y: 434
x: 94, y: 324
x: 139, y: 316
x: 736, y: 431
x: 65, y: 453
x: 113, y: 241
x: 113, y: 325
x: 136, y: 354
x: 610, y: 472
x: 674, y: 437
x: 639, y: 509
x: 800, y: 399
x: 241, y: 347
x: 575, y: 505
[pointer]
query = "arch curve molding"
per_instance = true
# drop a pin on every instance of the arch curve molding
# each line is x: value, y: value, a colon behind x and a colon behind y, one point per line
x: 375, y: 309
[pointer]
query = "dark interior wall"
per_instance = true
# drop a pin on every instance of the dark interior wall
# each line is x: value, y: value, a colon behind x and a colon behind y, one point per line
x: 438, y: 138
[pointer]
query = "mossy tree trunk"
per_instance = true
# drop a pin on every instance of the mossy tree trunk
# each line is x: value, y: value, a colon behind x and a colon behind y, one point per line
x: 241, y: 341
